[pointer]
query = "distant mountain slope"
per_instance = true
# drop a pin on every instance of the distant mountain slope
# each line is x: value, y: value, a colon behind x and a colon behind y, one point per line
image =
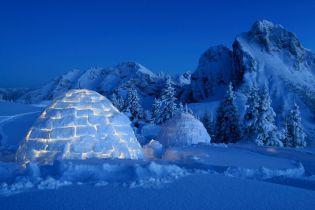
x: 103, y: 80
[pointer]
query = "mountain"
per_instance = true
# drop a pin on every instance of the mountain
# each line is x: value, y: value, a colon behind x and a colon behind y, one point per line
x: 12, y: 94
x: 270, y: 55
x: 267, y: 55
x: 212, y: 74
x: 103, y: 80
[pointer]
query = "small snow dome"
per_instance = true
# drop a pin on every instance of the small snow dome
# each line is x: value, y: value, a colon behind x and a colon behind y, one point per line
x: 80, y: 124
x: 183, y: 130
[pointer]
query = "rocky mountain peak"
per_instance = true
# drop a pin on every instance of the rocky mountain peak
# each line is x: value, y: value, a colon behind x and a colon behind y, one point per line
x: 274, y: 37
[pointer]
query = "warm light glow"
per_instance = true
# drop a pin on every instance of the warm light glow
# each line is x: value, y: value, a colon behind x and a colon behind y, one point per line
x: 62, y: 130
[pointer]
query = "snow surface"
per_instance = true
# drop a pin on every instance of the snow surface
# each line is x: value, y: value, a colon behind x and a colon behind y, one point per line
x: 183, y: 130
x: 15, y: 120
x: 80, y: 124
x: 203, y: 177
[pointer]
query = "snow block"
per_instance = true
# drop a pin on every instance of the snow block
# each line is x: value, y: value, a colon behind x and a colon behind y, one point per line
x: 80, y: 124
x: 183, y: 130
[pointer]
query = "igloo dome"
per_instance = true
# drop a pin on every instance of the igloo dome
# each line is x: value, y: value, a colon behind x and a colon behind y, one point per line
x: 183, y: 130
x: 80, y: 124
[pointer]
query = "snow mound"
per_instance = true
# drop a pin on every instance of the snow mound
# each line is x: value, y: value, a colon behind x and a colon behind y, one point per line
x: 127, y: 173
x: 80, y: 124
x: 153, y: 149
x: 183, y: 130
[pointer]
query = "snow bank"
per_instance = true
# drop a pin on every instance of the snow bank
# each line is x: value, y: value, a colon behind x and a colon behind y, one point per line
x: 128, y: 174
x: 265, y: 173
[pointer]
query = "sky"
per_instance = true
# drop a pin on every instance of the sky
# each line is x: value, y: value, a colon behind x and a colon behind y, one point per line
x: 40, y: 40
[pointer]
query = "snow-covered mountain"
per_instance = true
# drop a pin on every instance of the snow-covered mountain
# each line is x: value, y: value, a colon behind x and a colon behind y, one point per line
x: 268, y: 55
x: 103, y: 80
x: 12, y: 94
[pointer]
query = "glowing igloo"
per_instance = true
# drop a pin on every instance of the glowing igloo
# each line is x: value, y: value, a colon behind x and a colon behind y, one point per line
x: 183, y: 130
x: 80, y: 124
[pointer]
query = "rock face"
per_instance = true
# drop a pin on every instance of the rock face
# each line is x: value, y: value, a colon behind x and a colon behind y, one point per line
x: 80, y: 124
x: 212, y: 74
x: 183, y: 130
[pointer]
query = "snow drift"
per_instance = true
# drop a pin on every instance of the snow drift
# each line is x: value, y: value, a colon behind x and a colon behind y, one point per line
x: 80, y: 124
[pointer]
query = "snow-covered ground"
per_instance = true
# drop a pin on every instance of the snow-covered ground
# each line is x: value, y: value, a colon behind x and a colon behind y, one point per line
x: 239, y: 176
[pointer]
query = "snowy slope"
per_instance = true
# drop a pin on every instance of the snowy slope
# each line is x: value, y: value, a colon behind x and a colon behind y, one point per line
x: 15, y: 120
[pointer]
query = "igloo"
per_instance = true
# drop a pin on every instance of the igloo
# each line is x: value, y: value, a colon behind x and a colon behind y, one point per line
x: 80, y: 124
x: 183, y: 130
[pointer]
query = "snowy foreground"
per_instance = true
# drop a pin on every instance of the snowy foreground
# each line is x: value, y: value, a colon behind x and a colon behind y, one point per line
x: 236, y: 176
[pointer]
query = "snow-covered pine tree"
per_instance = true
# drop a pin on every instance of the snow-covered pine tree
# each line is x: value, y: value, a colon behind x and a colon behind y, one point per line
x: 147, y: 116
x: 251, y: 114
x: 294, y: 133
x: 227, y: 127
x: 132, y: 106
x: 188, y: 110
x: 180, y: 108
x: 156, y: 111
x: 267, y: 131
x: 117, y: 101
x: 168, y: 104
x: 208, y: 123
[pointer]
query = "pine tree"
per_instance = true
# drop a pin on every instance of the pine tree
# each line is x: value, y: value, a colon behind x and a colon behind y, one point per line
x: 147, y: 116
x: 251, y: 114
x: 267, y: 132
x: 180, y: 108
x: 188, y: 110
x: 227, y: 128
x: 132, y: 106
x: 168, y: 104
x: 156, y: 111
x: 294, y: 133
x: 208, y: 124
x: 117, y: 101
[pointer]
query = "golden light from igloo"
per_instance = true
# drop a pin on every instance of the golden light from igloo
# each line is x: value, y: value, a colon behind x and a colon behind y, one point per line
x: 78, y: 125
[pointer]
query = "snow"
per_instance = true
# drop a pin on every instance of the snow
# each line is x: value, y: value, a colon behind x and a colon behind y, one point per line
x: 183, y: 130
x: 182, y: 184
x: 15, y: 120
x: 213, y: 192
x: 153, y: 149
x: 78, y: 125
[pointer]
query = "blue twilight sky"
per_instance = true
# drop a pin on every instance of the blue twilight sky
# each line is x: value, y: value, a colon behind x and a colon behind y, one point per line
x: 42, y: 39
